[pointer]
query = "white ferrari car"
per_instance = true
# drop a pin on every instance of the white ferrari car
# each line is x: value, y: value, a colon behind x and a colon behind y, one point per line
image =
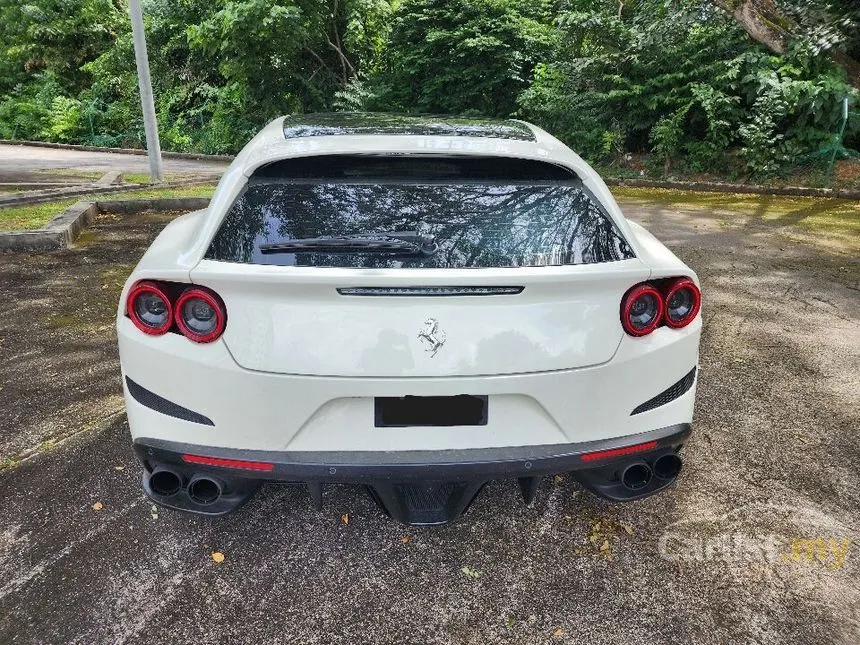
x: 417, y: 305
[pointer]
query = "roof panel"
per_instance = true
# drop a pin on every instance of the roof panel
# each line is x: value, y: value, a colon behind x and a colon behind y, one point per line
x: 371, y: 123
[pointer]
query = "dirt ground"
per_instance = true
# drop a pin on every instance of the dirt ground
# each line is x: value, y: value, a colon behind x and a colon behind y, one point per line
x: 758, y: 542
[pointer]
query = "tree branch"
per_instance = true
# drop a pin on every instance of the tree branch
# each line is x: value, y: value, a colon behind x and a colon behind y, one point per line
x: 766, y: 24
x: 761, y: 19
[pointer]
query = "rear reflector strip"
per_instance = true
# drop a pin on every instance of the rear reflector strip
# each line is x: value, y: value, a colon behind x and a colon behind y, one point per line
x: 618, y: 452
x: 429, y: 291
x: 228, y: 463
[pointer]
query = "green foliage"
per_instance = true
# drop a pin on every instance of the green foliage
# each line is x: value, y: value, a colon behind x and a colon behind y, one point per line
x: 675, y: 78
x: 667, y: 135
x: 684, y: 82
x: 464, y: 56
x: 66, y: 122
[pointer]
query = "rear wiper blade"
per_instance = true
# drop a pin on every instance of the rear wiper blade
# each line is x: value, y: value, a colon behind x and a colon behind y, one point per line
x: 409, y: 242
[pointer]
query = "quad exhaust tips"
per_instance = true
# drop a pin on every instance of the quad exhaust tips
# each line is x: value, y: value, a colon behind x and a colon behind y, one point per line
x: 205, y: 490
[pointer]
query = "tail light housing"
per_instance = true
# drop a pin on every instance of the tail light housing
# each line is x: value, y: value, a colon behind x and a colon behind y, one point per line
x: 200, y: 315
x: 673, y: 302
x: 683, y: 300
x: 641, y: 310
x: 195, y: 312
x: 149, y: 308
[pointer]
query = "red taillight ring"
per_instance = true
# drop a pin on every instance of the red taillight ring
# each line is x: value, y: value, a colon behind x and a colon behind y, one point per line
x: 627, y: 303
x: 212, y: 301
x: 148, y: 287
x: 682, y: 283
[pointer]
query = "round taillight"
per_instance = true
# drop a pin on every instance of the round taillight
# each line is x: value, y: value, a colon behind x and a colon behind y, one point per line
x: 641, y: 310
x: 149, y: 308
x: 200, y: 315
x: 683, y: 300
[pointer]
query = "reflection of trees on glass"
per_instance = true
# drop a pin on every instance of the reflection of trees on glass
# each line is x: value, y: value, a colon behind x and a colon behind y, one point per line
x: 475, y: 224
x: 343, y: 123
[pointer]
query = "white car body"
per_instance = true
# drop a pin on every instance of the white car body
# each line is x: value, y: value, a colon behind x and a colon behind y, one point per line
x: 295, y: 375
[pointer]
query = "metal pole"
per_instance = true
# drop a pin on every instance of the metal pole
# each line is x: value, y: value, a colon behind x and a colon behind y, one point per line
x: 839, y: 138
x: 153, y: 147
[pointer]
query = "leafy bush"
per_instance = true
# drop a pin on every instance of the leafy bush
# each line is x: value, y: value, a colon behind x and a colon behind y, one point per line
x: 464, y: 56
x: 667, y: 136
x: 677, y: 79
x: 66, y: 120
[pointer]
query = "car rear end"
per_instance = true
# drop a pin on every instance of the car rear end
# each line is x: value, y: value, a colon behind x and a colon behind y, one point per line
x: 535, y: 339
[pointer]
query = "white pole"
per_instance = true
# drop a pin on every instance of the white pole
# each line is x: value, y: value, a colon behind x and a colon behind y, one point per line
x: 153, y: 147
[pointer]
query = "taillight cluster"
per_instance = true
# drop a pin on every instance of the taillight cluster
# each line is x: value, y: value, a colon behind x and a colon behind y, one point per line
x: 673, y: 302
x: 156, y: 308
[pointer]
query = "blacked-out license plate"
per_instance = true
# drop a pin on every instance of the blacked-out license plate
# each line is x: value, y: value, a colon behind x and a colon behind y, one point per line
x: 403, y: 411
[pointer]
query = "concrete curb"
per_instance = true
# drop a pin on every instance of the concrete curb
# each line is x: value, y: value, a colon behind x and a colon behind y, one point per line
x: 715, y: 187
x: 126, y: 151
x: 53, y: 194
x: 60, y: 232
x: 131, y: 206
x: 109, y: 178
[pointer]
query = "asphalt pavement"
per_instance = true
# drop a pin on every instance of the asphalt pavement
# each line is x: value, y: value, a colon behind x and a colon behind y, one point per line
x: 756, y: 543
x: 21, y: 163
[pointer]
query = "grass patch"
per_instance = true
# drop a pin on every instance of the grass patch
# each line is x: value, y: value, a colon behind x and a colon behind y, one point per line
x: 137, y: 178
x: 144, y: 177
x: 204, y: 190
x: 836, y: 219
x: 71, y: 172
x: 22, y: 218
x: 127, y: 177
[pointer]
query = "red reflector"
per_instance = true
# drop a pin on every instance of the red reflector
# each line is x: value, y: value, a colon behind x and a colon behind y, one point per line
x: 228, y: 463
x: 618, y: 452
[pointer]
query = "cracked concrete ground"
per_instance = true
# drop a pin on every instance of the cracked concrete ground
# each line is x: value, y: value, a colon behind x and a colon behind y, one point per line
x: 756, y: 543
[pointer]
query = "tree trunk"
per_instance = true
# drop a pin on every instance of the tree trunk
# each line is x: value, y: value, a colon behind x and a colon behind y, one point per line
x: 766, y: 24
x: 851, y: 66
x: 761, y: 19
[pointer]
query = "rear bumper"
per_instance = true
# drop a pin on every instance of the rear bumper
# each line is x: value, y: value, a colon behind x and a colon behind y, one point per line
x: 231, y: 407
x: 415, y: 487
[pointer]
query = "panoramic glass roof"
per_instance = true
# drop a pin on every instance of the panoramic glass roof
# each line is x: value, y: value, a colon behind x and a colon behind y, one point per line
x: 345, y: 123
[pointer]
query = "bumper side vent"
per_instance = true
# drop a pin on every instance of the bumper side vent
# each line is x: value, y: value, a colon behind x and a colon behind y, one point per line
x: 160, y: 404
x: 669, y: 394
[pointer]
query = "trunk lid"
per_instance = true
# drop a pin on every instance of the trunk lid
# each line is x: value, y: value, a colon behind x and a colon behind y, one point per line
x: 296, y: 320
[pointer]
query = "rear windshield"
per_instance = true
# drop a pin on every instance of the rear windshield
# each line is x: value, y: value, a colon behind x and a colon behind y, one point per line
x: 475, y: 219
